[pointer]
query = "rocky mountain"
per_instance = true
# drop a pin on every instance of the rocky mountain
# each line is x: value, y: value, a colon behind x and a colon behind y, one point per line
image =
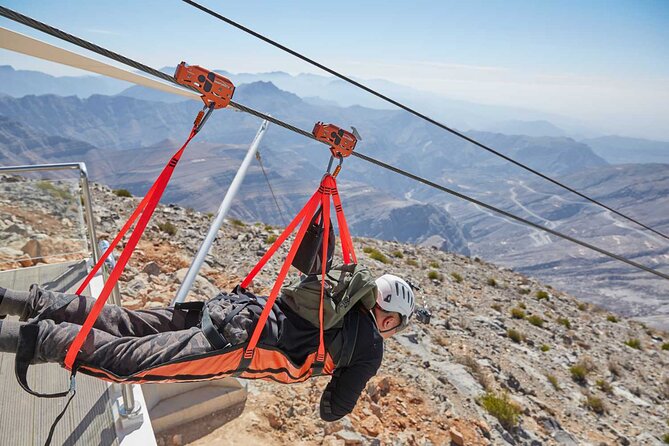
x: 18, y: 83
x: 505, y: 359
x: 457, y: 113
x: 121, y: 122
x: 462, y: 114
x: 528, y: 128
x: 211, y: 167
x: 21, y: 144
x: 401, y: 220
x: 620, y: 150
x: 638, y: 190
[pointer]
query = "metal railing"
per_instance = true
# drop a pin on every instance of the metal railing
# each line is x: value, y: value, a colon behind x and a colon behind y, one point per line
x: 85, y: 192
x: 129, y: 407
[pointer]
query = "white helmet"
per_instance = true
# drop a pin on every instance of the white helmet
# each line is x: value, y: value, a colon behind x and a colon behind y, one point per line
x: 395, y: 295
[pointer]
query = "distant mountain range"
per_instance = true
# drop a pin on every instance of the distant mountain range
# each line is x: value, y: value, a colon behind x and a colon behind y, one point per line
x: 638, y: 190
x: 126, y: 140
x: 18, y: 83
x: 621, y: 150
x: 461, y: 114
x: 326, y: 91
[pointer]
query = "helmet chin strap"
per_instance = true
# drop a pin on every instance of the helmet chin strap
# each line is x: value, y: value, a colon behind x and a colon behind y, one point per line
x: 391, y: 329
x: 377, y: 321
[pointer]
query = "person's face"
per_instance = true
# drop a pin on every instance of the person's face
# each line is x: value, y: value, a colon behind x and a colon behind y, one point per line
x: 387, y: 323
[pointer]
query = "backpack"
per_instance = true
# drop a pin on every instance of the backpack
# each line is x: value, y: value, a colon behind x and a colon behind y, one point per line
x: 308, y: 258
x: 345, y: 286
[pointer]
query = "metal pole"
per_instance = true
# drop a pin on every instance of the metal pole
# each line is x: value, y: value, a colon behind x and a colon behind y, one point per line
x: 88, y: 209
x: 129, y: 407
x: 220, y: 216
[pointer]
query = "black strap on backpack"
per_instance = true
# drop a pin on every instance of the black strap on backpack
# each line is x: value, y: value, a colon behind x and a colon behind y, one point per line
x: 193, y: 312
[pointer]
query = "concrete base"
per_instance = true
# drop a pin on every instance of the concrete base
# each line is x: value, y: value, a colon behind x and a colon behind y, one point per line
x: 204, y: 406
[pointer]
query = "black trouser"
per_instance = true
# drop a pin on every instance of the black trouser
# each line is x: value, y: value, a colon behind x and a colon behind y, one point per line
x: 126, y: 341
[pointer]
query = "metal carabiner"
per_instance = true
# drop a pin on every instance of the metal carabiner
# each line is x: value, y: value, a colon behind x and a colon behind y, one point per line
x: 338, y: 168
x: 201, y: 118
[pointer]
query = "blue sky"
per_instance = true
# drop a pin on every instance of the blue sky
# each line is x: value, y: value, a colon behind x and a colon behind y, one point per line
x: 605, y: 62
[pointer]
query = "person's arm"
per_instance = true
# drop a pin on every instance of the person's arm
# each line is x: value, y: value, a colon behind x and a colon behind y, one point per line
x: 344, y: 389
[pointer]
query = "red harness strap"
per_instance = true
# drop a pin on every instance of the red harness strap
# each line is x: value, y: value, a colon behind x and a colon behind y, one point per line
x: 144, y: 211
x: 327, y: 188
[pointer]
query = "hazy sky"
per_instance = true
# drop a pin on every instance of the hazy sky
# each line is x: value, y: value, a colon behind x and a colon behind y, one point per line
x: 603, y: 62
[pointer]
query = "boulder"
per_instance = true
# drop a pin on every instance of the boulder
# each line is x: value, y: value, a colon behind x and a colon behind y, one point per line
x: 10, y: 253
x: 16, y: 229
x: 152, y: 269
x: 35, y: 249
x: 331, y: 440
x: 25, y: 261
x: 135, y: 286
x: 456, y: 437
x: 350, y: 438
x: 372, y: 425
x: 275, y: 420
x: 201, y: 286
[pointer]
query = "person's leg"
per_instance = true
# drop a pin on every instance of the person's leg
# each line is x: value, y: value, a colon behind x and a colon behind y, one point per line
x: 12, y: 302
x: 114, y: 320
x: 122, y: 356
x: 127, y: 355
x: 9, y: 336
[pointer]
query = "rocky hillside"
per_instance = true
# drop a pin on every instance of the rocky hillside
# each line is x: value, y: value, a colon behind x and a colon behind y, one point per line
x: 505, y: 359
x: 638, y: 190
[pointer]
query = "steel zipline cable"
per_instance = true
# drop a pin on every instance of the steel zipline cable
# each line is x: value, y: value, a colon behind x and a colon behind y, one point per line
x: 415, y: 113
x: 146, y: 69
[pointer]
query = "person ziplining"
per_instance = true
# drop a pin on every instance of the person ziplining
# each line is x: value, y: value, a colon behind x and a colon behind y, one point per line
x: 330, y: 322
x: 124, y: 343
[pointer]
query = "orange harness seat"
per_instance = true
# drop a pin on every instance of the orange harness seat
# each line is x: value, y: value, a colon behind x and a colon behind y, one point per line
x: 268, y: 363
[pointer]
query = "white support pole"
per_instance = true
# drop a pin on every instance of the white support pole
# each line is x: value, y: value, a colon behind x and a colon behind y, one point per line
x: 220, y: 216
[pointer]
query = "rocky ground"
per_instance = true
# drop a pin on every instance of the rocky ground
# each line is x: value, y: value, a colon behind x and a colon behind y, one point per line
x: 504, y: 360
x: 40, y: 222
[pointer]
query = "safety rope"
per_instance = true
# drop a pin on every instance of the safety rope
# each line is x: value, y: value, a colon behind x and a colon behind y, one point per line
x: 416, y: 113
x: 115, y: 56
x: 326, y: 189
x: 142, y: 214
x: 269, y: 185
